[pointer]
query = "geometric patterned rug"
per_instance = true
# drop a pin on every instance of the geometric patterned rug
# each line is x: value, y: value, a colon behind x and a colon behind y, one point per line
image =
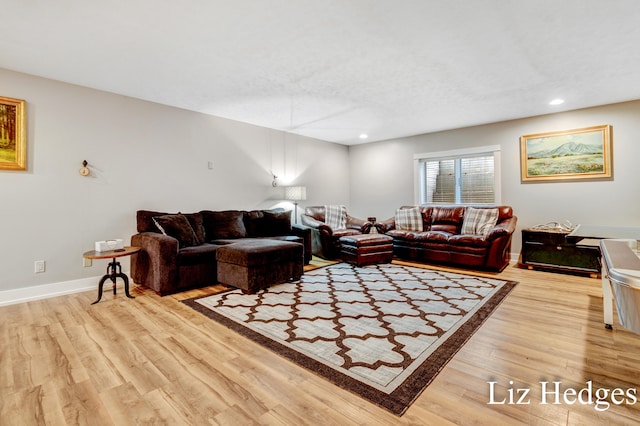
x: 381, y: 331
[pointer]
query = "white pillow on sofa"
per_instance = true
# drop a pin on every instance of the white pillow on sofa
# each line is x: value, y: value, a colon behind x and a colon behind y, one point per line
x: 409, y: 219
x: 479, y: 221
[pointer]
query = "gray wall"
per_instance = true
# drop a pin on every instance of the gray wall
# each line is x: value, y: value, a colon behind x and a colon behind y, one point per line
x: 142, y: 156
x: 382, y: 173
x: 149, y: 156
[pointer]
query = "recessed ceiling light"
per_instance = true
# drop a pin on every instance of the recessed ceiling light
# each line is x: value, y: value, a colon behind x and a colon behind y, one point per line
x: 556, y: 102
x: 363, y: 136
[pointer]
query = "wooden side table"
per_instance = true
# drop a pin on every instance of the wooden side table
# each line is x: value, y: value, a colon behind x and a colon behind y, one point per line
x: 114, y: 270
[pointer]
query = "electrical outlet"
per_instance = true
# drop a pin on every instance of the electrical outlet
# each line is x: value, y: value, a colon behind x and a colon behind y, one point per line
x: 87, y: 262
x: 39, y: 266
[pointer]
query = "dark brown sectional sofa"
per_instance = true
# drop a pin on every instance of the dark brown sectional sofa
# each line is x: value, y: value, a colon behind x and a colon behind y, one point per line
x: 441, y: 240
x: 186, y: 257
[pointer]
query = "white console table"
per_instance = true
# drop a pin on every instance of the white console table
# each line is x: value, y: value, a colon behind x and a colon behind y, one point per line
x: 601, y: 232
x: 620, y: 270
x: 621, y: 282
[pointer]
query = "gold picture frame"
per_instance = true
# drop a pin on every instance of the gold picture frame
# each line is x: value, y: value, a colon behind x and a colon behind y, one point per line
x: 13, y: 139
x: 567, y: 155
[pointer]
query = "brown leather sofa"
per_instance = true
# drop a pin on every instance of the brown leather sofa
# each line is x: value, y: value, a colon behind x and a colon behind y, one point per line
x: 325, y: 241
x: 441, y: 242
x: 168, y: 264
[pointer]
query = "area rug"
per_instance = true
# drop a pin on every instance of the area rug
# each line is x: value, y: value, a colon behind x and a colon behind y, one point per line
x: 380, y: 331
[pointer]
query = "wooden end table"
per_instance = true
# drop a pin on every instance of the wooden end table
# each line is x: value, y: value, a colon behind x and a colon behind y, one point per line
x: 114, y: 270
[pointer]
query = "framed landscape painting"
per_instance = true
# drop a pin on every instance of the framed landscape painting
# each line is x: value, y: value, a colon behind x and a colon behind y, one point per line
x: 567, y: 155
x: 13, y: 140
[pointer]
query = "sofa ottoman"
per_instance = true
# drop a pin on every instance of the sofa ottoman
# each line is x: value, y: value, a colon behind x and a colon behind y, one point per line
x: 366, y: 249
x: 253, y: 265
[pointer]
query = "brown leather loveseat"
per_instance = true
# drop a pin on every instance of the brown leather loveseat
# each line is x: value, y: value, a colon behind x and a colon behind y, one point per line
x: 440, y: 235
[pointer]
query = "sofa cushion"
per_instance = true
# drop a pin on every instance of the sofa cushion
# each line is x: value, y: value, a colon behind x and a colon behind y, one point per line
x: 145, y: 223
x: 223, y: 224
x: 267, y: 223
x: 435, y: 237
x: 290, y: 238
x: 276, y: 223
x: 468, y: 240
x: 196, y: 255
x: 260, y: 252
x: 335, y: 217
x: 447, y: 219
x: 409, y: 219
x: 402, y: 235
x: 479, y: 221
x: 253, y: 223
x: 178, y: 227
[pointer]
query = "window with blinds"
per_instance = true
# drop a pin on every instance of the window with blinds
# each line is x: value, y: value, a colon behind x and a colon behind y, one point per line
x: 458, y: 177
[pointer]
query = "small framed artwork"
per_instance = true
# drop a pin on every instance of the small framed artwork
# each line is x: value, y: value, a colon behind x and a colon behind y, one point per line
x: 567, y: 155
x: 13, y: 139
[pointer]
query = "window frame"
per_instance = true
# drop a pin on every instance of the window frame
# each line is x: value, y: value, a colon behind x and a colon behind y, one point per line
x: 418, y: 176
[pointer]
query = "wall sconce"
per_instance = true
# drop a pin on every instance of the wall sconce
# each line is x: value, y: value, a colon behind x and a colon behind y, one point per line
x: 275, y: 180
x: 295, y: 194
x: 84, y: 170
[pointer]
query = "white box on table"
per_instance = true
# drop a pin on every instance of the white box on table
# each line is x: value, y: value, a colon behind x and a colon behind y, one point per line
x: 109, y: 245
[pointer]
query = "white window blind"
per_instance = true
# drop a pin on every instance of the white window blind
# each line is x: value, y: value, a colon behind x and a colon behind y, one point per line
x: 459, y: 177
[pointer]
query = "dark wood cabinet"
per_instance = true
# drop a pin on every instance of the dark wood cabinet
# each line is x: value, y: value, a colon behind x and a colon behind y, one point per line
x: 553, y: 250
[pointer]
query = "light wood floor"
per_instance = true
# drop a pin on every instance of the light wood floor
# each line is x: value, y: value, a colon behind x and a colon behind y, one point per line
x: 153, y: 360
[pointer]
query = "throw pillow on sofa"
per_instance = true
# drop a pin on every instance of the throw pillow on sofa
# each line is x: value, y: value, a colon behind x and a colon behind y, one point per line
x: 145, y: 223
x: 178, y: 227
x: 479, y: 221
x: 409, y: 219
x: 195, y: 220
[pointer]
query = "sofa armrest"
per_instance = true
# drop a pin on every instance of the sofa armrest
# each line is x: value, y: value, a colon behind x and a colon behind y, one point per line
x: 500, y: 236
x: 321, y: 236
x: 386, y: 225
x: 303, y: 232
x: 156, y: 265
x: 299, y: 230
x: 316, y: 224
x: 504, y: 228
x: 362, y: 225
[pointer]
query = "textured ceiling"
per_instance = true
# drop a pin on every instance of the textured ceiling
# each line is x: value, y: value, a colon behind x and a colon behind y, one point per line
x: 333, y: 69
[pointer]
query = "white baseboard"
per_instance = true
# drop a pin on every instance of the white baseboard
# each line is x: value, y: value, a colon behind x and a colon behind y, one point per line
x: 45, y: 291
